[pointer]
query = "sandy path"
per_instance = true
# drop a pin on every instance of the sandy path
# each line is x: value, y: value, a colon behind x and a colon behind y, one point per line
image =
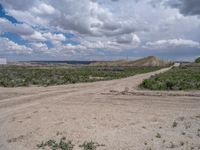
x: 113, y: 113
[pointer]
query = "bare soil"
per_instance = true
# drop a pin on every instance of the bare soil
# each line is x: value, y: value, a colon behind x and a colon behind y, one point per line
x: 114, y: 113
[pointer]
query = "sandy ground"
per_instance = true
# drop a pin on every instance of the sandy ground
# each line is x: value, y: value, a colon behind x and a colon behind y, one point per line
x: 113, y: 113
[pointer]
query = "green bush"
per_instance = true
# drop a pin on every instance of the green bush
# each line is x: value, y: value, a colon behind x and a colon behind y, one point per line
x: 197, y: 60
x: 90, y: 145
x: 182, y: 78
x: 46, y: 76
x: 53, y: 145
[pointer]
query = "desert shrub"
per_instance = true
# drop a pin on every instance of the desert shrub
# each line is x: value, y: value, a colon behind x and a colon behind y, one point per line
x: 67, y: 145
x: 90, y: 145
x: 26, y: 76
x: 197, y: 60
x: 53, y: 145
x: 182, y: 78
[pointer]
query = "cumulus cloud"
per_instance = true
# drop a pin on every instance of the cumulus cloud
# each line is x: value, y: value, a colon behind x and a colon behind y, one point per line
x: 98, y: 25
x: 9, y: 47
x: 21, y: 29
x: 82, y: 16
x: 39, y: 46
x: 173, y: 43
x: 117, y: 44
x: 128, y: 38
x: 45, y: 36
x: 56, y: 39
x: 43, y: 9
x: 36, y: 36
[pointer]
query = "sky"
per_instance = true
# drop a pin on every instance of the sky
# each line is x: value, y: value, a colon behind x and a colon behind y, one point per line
x: 99, y: 29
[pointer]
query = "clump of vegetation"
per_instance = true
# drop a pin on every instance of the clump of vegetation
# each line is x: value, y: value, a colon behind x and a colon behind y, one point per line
x: 158, y: 135
x: 197, y: 60
x: 53, y: 145
x: 67, y: 145
x: 183, y: 133
x: 15, y: 76
x: 198, y: 132
x: 90, y: 145
x: 182, y: 143
x: 172, y: 145
x: 174, y: 124
x: 181, y: 78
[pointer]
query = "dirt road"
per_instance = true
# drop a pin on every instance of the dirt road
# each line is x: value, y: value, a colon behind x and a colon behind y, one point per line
x: 113, y: 113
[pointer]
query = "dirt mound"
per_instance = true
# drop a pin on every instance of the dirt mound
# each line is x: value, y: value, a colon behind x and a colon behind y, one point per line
x: 147, y: 61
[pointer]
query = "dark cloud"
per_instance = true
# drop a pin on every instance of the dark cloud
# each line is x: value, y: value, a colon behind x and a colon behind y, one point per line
x: 186, y: 7
x: 127, y: 39
x: 18, y: 4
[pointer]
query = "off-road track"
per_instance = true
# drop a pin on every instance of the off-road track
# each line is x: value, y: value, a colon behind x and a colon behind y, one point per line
x: 113, y: 113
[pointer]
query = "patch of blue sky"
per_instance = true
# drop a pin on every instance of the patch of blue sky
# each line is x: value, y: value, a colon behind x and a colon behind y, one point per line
x: 71, y: 42
x: 69, y: 35
x: 3, y: 14
x: 15, y: 38
x: 49, y: 44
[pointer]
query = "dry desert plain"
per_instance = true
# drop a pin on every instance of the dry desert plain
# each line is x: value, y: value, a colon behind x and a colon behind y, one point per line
x: 114, y: 113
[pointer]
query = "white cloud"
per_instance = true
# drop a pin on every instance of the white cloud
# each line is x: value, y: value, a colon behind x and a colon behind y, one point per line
x: 116, y: 44
x: 55, y: 37
x: 39, y: 46
x: 21, y: 29
x: 82, y: 16
x: 111, y: 25
x: 42, y: 36
x: 173, y: 43
x: 10, y: 47
x: 43, y: 9
x: 36, y: 36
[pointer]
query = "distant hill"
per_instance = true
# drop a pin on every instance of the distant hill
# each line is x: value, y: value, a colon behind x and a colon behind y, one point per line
x: 147, y: 61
